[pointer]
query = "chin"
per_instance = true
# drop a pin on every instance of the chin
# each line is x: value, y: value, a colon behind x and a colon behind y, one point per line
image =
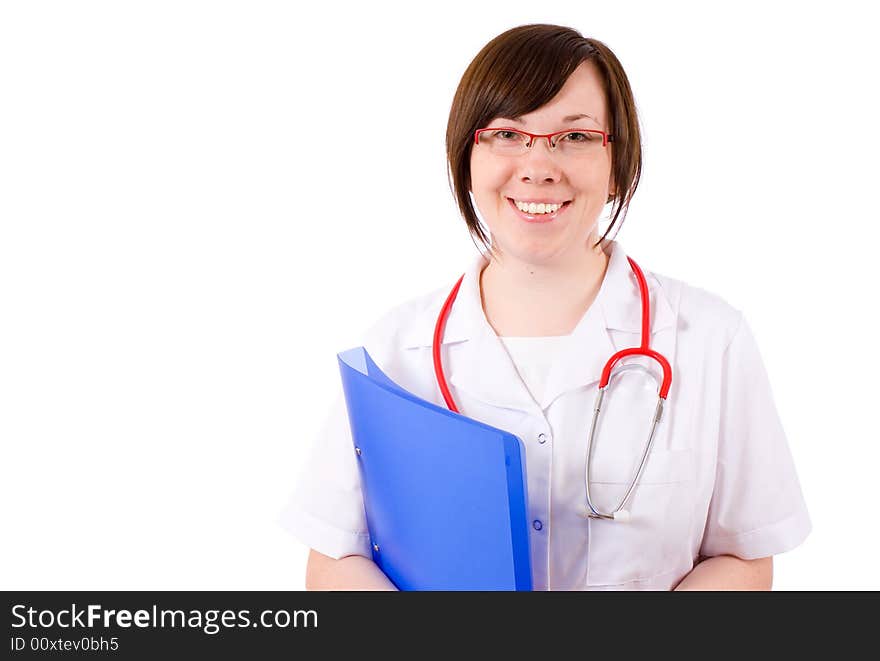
x: 532, y: 253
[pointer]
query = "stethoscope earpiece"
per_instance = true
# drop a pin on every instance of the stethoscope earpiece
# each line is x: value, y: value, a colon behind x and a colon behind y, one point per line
x: 621, y: 516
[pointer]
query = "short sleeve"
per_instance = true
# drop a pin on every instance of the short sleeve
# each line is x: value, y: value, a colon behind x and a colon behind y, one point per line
x: 757, y: 507
x: 326, y: 509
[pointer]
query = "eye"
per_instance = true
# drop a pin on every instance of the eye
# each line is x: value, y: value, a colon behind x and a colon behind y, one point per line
x: 506, y: 135
x: 578, y: 136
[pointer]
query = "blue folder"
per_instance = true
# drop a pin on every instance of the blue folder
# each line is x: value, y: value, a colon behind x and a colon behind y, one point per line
x: 444, y: 495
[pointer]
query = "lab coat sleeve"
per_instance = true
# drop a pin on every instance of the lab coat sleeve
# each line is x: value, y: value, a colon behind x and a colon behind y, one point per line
x: 326, y: 510
x: 757, y: 508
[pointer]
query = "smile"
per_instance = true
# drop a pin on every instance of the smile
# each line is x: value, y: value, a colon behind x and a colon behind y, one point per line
x: 538, y: 217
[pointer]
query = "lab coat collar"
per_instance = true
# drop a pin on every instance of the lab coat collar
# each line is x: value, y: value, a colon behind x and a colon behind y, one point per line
x: 483, y: 368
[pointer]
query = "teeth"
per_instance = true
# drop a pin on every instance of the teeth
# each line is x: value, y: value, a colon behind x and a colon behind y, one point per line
x: 533, y: 208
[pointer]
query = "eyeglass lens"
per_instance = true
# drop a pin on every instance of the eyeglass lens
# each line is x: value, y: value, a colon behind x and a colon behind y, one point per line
x: 513, y: 142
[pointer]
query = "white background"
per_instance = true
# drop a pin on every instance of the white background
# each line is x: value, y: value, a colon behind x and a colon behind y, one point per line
x: 202, y: 202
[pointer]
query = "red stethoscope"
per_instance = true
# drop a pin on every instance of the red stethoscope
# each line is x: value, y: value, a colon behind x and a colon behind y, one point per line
x: 618, y: 514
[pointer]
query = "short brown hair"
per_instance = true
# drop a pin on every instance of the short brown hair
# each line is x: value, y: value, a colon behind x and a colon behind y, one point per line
x: 516, y: 73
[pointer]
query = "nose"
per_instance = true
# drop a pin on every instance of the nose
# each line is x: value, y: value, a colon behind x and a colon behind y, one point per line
x: 539, y: 163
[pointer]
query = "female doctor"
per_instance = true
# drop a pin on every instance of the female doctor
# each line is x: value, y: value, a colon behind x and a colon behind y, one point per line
x: 542, y: 134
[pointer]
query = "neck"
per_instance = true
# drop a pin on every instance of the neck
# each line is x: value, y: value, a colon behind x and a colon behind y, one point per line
x: 529, y: 300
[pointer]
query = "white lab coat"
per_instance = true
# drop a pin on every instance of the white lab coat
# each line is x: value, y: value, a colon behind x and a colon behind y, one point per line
x: 720, y: 477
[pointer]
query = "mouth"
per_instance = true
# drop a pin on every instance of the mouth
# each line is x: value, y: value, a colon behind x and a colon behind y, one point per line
x: 538, y: 217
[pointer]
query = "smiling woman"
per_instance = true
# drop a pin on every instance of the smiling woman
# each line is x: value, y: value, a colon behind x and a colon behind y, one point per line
x: 567, y: 170
x: 550, y: 324
x: 583, y: 81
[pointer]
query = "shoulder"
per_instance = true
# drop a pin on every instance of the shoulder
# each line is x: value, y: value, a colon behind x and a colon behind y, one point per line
x: 405, y: 324
x: 400, y: 341
x: 700, y: 313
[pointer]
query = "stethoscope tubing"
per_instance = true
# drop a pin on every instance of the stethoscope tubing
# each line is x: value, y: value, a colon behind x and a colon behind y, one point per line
x: 438, y: 338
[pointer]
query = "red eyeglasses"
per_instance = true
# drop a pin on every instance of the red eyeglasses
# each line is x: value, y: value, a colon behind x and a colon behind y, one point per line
x: 509, y: 141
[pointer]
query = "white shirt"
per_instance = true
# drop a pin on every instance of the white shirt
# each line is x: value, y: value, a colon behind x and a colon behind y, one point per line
x: 720, y: 478
x: 533, y: 358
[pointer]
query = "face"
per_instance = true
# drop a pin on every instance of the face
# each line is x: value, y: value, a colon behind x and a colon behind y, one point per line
x: 539, y: 175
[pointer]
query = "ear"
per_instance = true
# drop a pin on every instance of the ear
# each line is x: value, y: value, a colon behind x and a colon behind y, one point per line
x: 612, y: 189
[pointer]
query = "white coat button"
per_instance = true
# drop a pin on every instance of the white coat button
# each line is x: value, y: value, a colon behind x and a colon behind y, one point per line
x: 542, y: 438
x: 537, y: 525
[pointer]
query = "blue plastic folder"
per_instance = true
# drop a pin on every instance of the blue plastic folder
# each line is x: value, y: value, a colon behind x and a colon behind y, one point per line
x: 444, y: 495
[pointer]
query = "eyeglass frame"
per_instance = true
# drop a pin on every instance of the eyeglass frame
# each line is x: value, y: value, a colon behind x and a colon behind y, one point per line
x: 606, y: 137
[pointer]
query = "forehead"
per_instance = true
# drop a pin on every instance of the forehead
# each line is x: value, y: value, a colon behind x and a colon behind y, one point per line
x: 582, y: 94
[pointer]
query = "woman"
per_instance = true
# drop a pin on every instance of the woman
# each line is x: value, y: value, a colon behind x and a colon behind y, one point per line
x: 542, y: 134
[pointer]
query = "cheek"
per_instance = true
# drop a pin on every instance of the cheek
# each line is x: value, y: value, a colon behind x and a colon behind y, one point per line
x: 486, y: 179
x: 594, y: 184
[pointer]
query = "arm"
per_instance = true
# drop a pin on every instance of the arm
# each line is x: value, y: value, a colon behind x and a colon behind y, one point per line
x: 726, y: 572
x: 352, y: 572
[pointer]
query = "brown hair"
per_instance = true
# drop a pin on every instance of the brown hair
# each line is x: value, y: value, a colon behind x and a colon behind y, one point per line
x: 518, y: 72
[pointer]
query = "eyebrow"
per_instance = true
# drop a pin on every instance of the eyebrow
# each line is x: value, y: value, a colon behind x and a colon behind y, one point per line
x: 570, y: 118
